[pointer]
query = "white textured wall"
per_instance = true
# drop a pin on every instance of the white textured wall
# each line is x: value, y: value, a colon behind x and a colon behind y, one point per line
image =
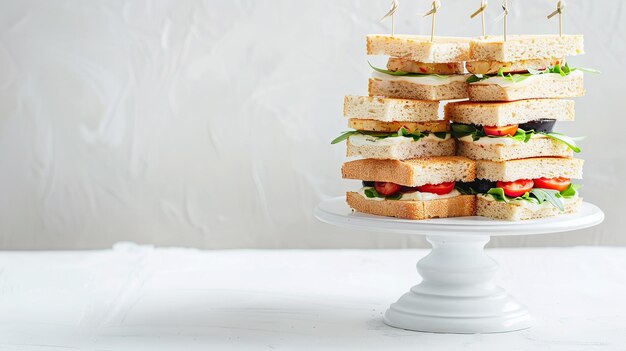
x: 207, y: 123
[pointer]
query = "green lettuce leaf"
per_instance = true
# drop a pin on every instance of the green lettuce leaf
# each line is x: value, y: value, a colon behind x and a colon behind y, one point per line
x: 570, y: 191
x: 498, y: 194
x: 405, y: 74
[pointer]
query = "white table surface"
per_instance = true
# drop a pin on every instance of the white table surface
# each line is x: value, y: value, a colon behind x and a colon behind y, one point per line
x: 140, y: 298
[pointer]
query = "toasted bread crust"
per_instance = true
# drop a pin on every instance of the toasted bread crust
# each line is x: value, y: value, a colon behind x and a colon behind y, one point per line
x: 389, y: 109
x: 419, y: 47
x: 512, y: 212
x: 405, y: 150
x: 413, y: 172
x: 525, y: 47
x: 535, y: 147
x: 530, y: 168
x: 549, y: 86
x: 505, y: 113
x: 463, y: 205
x: 408, y: 90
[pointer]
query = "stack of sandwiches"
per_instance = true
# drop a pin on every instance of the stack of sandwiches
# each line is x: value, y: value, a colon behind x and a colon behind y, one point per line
x: 408, y: 166
x: 495, y: 155
x: 516, y: 91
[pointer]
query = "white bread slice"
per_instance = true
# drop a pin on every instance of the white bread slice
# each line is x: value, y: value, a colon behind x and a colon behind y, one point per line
x: 505, y: 113
x: 535, y: 147
x: 413, y: 172
x: 404, y: 149
x: 550, y: 85
x: 529, y: 168
x: 406, y: 65
x: 396, y: 87
x: 458, y: 206
x: 525, y: 47
x: 419, y: 47
x: 392, y: 127
x: 492, y: 67
x: 389, y: 110
x: 515, y: 212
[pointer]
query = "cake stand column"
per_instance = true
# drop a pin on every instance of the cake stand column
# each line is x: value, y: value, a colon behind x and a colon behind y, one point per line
x: 457, y: 293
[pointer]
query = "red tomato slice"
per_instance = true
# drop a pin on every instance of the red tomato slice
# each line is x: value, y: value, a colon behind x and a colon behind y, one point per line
x: 516, y: 188
x: 559, y: 184
x: 386, y: 188
x: 500, y: 131
x: 439, y: 189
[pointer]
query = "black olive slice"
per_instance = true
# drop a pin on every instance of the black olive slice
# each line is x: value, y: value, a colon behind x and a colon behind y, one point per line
x: 543, y: 125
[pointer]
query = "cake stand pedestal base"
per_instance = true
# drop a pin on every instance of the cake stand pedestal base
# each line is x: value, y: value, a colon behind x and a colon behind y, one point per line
x: 457, y: 293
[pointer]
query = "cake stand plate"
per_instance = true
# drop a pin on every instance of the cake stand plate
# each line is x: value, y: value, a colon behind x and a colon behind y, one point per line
x: 457, y: 293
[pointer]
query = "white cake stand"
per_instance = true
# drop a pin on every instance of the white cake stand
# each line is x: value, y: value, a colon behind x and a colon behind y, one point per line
x: 457, y: 293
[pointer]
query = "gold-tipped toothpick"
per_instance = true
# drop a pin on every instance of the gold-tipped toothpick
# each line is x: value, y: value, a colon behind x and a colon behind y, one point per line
x: 559, y: 10
x: 433, y: 11
x: 392, y: 11
x: 503, y: 15
x: 481, y: 11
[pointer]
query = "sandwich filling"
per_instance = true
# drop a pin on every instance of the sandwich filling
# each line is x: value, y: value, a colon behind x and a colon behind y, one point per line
x: 511, y: 134
x: 520, y: 80
x: 528, y: 75
x: 364, y: 137
x: 493, y: 67
x: 396, y: 64
x: 391, y: 191
x: 423, y: 79
x: 418, y: 78
x: 533, y: 194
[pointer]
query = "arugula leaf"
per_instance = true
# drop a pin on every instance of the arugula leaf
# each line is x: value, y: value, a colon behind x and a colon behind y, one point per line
x: 550, y: 195
x: 562, y: 70
x: 460, y: 130
x: 416, y: 136
x: 538, y: 195
x: 406, y: 74
x: 564, y: 139
x: 465, y: 190
x: 476, y: 78
x: 344, y: 136
x: 528, y: 198
x: 395, y: 196
x: 371, y: 193
x: 402, y: 132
